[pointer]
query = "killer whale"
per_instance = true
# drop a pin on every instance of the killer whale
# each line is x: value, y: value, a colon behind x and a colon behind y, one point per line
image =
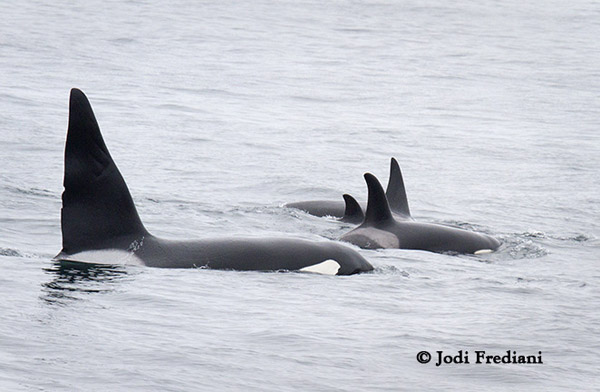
x: 380, y: 230
x: 395, y: 192
x: 100, y: 223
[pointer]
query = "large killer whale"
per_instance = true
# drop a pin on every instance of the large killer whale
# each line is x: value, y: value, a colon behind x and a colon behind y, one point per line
x: 349, y: 210
x: 381, y: 230
x: 100, y: 223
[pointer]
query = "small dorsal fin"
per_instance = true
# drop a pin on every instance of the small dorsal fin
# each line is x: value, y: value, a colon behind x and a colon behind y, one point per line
x: 96, y: 204
x: 395, y: 192
x: 353, y: 212
x: 378, y: 209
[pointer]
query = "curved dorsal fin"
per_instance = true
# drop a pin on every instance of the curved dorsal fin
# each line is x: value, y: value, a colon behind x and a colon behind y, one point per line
x: 353, y: 212
x: 395, y: 192
x: 96, y: 204
x: 378, y: 209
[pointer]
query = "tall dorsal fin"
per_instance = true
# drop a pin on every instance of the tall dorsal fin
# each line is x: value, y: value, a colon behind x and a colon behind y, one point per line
x: 378, y: 209
x: 395, y: 192
x: 353, y: 212
x: 97, y: 206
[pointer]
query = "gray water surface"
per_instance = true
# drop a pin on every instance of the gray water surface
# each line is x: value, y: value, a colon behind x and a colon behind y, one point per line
x: 217, y: 113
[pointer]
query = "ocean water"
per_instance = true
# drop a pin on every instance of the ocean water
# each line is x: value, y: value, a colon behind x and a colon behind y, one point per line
x: 218, y: 112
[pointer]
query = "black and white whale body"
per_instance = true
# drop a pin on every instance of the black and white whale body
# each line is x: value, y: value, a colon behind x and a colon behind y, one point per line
x: 395, y: 192
x: 381, y: 230
x: 100, y: 223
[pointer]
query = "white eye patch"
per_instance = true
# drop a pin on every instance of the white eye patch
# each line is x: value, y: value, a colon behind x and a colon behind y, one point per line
x: 327, y: 267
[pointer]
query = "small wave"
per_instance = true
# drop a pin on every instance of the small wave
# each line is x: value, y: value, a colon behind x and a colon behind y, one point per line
x: 312, y: 99
x: 388, y: 269
x: 523, y: 248
x: 180, y: 108
x: 576, y: 237
x: 208, y: 91
x: 10, y: 252
x: 31, y: 191
x: 354, y: 30
x: 534, y: 234
x: 122, y: 41
x: 580, y: 238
